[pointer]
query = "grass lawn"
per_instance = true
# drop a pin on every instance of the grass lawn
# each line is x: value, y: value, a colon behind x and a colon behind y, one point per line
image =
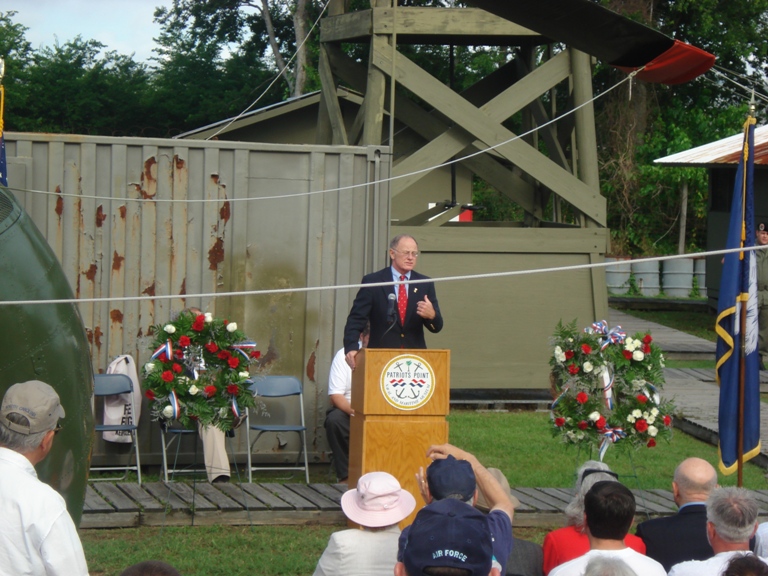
x: 518, y: 443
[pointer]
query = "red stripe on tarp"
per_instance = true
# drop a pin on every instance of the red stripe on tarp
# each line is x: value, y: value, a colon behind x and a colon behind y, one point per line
x: 680, y: 63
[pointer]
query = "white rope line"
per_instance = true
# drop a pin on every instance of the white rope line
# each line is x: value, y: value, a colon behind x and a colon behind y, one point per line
x: 276, y: 78
x: 362, y: 185
x: 719, y: 71
x: 573, y: 268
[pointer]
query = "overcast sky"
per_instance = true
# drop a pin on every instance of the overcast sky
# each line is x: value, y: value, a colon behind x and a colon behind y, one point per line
x: 123, y: 25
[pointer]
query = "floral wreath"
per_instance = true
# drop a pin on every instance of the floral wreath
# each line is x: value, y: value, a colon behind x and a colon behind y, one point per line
x: 199, y: 371
x: 606, y: 388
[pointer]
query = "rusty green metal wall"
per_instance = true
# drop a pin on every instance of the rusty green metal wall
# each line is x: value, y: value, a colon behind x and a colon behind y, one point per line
x: 117, y: 236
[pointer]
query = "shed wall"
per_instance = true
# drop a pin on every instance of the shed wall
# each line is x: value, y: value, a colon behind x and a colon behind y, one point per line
x: 134, y: 217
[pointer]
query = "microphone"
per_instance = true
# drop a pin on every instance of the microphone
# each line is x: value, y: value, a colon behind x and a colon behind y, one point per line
x: 391, y: 299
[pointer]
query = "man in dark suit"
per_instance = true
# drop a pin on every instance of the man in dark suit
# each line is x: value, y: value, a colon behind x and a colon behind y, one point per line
x: 673, y: 539
x: 398, y: 314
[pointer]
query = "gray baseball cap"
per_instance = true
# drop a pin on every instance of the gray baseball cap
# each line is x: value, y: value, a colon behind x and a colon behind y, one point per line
x: 36, y: 400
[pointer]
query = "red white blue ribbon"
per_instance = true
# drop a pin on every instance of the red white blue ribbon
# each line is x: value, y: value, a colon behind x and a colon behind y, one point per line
x: 243, y: 348
x: 175, y: 405
x: 236, y: 408
x: 613, y: 336
x: 166, y: 349
x: 608, y: 388
x: 610, y: 436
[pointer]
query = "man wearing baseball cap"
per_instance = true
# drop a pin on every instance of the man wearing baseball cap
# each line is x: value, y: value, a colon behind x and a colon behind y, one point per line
x: 448, y: 537
x: 38, y: 536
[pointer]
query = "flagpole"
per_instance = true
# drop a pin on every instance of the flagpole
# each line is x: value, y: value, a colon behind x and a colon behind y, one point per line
x: 743, y: 335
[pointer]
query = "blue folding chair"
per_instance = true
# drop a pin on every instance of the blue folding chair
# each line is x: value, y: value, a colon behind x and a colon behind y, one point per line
x: 109, y: 385
x: 279, y: 387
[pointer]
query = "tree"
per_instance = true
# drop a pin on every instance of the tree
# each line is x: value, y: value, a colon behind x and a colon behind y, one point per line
x: 255, y: 27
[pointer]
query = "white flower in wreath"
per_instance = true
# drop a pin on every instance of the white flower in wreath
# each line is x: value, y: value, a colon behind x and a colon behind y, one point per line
x: 638, y: 355
x: 631, y: 419
x: 580, y: 436
x: 208, y: 317
x: 652, y: 431
x: 630, y: 345
x: 244, y: 374
x: 148, y: 367
x: 588, y: 367
x: 595, y: 416
x: 646, y: 415
x: 193, y: 390
x: 168, y: 411
x: 651, y: 419
x: 222, y: 412
x: 637, y: 413
x: 169, y: 328
x: 570, y: 340
x: 232, y: 326
x: 570, y: 434
x: 559, y: 354
x: 654, y: 412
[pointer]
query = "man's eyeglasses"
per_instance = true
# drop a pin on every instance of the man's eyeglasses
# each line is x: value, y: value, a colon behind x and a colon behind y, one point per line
x: 57, y: 429
x: 406, y: 253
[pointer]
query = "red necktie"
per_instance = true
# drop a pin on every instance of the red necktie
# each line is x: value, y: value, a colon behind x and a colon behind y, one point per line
x: 402, y: 299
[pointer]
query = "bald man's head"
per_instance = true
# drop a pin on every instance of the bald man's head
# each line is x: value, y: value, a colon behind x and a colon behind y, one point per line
x: 694, y: 480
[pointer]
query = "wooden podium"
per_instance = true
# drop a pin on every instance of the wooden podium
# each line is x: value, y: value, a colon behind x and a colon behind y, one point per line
x: 400, y: 398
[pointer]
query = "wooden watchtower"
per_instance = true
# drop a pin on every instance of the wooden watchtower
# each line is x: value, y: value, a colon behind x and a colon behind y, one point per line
x: 540, y: 81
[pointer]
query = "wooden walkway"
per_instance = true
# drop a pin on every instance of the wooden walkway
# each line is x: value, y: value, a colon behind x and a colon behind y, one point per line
x: 126, y: 505
x: 122, y: 505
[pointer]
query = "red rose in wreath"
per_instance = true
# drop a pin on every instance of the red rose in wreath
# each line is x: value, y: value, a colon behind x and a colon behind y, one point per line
x: 184, y: 341
x: 167, y: 376
x: 573, y: 369
x: 559, y: 421
x: 583, y: 425
x: 233, y: 389
x: 651, y: 443
x: 586, y: 348
x: 600, y: 423
x: 641, y: 425
x: 582, y: 397
x: 569, y: 354
x: 642, y: 398
x: 667, y: 420
x: 209, y: 390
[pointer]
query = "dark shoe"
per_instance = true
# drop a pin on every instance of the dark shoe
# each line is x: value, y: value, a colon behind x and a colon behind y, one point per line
x: 221, y: 478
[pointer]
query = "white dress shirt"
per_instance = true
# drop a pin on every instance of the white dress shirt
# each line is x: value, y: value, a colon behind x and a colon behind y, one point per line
x: 37, y: 535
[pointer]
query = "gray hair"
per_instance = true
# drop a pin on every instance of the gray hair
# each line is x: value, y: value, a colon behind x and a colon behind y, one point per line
x: 607, y: 566
x: 733, y: 512
x: 574, y: 512
x: 396, y: 240
x: 21, y: 443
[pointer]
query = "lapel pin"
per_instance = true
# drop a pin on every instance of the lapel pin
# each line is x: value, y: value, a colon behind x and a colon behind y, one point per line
x: 415, y: 290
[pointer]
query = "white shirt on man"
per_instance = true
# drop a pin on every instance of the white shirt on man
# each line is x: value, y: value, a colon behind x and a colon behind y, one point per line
x: 340, y: 376
x: 639, y: 563
x: 711, y: 567
x: 37, y: 535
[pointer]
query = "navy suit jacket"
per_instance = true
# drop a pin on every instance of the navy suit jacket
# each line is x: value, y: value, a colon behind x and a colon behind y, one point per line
x: 371, y: 304
x: 677, y: 538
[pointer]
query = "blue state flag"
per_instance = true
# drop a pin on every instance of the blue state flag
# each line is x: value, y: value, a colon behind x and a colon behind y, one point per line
x: 738, y: 288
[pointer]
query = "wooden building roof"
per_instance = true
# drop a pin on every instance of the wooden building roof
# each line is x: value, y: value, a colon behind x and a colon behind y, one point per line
x: 725, y: 151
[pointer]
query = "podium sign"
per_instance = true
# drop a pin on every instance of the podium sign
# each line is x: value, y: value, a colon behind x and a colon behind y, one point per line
x: 400, y: 398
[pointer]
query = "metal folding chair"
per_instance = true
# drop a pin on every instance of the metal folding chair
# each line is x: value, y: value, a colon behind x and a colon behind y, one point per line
x: 109, y: 385
x: 169, y: 435
x: 278, y: 387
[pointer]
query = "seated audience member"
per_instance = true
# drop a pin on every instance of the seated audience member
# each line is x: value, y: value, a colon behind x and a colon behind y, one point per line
x: 747, y: 565
x: 377, y: 505
x: 338, y: 415
x: 731, y: 522
x: 674, y: 539
x: 37, y: 535
x: 448, y: 538
x: 571, y: 542
x: 609, y: 509
x: 458, y: 475
x: 150, y: 568
x: 604, y: 566
x: 761, y: 539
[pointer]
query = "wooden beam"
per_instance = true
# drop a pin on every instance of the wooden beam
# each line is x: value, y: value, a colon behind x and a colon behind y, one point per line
x: 451, y: 212
x: 423, y: 217
x: 498, y: 109
x: 344, y: 27
x: 474, y: 121
x: 375, y: 93
x: 331, y: 100
x: 472, y: 22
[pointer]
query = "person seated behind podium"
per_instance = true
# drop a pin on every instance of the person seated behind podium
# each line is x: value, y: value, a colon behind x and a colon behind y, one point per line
x: 377, y: 505
x: 338, y: 415
x: 609, y: 510
x: 571, y: 542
